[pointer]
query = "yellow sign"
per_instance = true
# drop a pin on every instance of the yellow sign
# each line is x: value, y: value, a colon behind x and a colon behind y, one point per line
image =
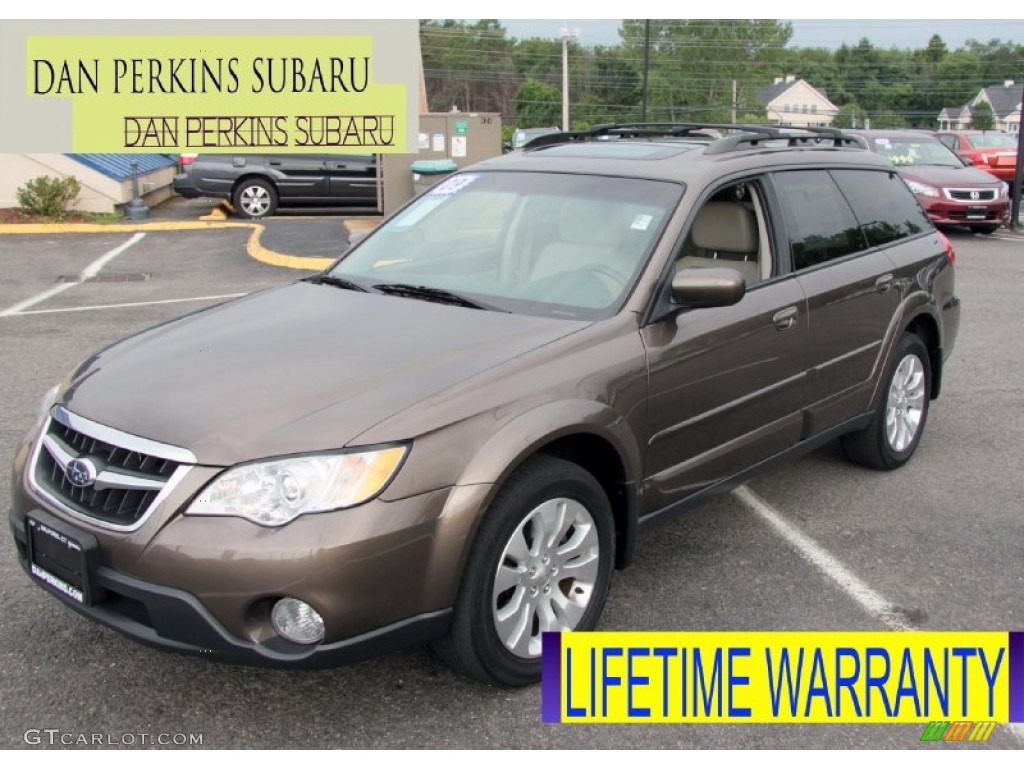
x: 776, y: 677
x: 288, y: 93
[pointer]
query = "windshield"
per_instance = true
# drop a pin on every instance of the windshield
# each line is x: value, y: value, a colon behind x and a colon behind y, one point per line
x: 993, y: 141
x: 559, y: 245
x: 919, y: 150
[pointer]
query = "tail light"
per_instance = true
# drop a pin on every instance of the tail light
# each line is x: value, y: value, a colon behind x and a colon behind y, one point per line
x: 950, y: 253
x: 184, y: 160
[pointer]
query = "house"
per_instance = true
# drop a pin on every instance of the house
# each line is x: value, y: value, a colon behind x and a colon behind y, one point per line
x: 106, y: 179
x: 794, y: 101
x: 1004, y: 99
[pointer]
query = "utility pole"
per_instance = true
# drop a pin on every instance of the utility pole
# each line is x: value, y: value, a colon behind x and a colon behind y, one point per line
x: 565, y: 78
x: 647, y: 61
x: 734, y: 102
x: 566, y: 34
x: 1015, y: 208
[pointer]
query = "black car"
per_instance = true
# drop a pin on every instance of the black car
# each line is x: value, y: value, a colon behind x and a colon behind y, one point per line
x: 258, y: 184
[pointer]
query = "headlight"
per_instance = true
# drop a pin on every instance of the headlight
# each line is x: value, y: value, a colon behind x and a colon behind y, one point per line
x: 276, y: 492
x: 922, y: 189
x: 1004, y: 189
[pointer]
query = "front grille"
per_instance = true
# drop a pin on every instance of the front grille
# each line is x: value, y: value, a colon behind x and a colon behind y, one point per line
x: 971, y: 195
x: 125, y: 484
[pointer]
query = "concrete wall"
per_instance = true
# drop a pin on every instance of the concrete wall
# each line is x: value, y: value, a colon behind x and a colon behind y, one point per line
x: 100, y: 194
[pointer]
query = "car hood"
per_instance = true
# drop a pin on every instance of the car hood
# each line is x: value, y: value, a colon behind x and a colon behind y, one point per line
x: 301, y: 368
x: 940, y: 176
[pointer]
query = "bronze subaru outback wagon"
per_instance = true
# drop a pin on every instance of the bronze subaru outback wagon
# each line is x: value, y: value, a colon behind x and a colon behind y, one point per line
x: 456, y: 433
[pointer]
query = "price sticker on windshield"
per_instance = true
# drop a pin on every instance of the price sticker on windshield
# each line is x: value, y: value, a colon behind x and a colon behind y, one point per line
x: 454, y: 184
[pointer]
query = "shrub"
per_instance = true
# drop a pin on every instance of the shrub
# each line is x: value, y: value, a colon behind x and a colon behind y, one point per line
x: 49, y: 195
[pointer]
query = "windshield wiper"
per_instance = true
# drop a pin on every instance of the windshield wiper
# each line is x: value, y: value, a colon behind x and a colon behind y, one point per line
x: 427, y: 293
x: 338, y: 282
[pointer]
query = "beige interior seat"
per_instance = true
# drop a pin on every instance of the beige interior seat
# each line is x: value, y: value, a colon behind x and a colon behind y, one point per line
x: 724, y: 234
x: 590, y: 234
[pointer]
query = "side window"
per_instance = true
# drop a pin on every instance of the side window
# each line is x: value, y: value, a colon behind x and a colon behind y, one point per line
x: 950, y: 141
x: 886, y: 209
x: 729, y: 231
x: 820, y: 223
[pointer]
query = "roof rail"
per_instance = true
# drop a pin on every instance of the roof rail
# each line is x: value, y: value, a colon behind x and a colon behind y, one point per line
x: 627, y: 131
x: 815, y: 136
x: 739, y: 135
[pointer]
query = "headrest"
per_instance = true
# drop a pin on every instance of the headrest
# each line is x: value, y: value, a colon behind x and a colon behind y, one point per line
x: 724, y: 226
x: 589, y: 222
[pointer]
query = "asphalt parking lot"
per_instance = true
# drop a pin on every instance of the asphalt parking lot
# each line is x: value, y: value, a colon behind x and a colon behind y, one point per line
x: 939, y: 543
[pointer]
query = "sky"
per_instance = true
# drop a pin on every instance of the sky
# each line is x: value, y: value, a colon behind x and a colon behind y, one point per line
x: 825, y: 33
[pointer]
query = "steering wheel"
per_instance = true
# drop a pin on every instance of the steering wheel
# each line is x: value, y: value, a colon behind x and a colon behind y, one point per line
x: 615, y: 279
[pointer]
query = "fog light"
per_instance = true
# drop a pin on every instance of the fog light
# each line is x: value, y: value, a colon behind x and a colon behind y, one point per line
x: 297, y: 621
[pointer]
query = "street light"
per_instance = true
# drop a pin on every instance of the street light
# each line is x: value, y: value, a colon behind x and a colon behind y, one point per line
x: 566, y: 34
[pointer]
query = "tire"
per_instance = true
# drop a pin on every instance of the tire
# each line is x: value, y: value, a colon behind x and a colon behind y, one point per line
x: 254, y: 199
x: 985, y: 229
x: 496, y: 633
x: 895, y: 431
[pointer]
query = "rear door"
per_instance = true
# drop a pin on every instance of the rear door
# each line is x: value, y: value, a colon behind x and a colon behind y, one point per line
x: 850, y: 288
x: 299, y: 178
x: 353, y: 179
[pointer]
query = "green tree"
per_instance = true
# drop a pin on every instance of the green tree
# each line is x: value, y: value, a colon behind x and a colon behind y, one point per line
x: 537, y: 105
x: 936, y: 50
x: 694, y: 62
x: 982, y: 117
x: 465, y: 65
x: 849, y: 116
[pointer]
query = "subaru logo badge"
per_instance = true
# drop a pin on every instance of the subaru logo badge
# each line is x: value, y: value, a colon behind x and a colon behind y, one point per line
x: 975, y: 194
x: 81, y: 473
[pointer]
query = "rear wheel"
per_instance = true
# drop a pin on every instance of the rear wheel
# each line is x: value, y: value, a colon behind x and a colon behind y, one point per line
x: 255, y: 198
x: 541, y: 562
x: 895, y: 431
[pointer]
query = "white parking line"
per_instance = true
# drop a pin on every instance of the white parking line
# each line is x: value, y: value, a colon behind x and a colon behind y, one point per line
x: 130, y: 304
x: 870, y: 600
x: 91, y: 270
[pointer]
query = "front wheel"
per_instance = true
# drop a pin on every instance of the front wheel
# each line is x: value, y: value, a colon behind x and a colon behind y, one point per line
x: 541, y: 562
x: 895, y: 431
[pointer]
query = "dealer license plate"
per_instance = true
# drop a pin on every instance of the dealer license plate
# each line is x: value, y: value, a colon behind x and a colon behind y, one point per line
x: 58, y: 558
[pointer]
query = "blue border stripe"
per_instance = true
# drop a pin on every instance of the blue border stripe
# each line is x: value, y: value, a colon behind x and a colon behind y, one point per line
x: 551, y: 678
x: 1016, y: 677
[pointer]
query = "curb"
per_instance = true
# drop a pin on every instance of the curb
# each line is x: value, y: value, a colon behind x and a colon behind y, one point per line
x: 253, y: 247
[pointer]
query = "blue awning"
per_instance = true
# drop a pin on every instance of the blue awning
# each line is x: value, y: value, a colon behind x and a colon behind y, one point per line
x: 119, y: 167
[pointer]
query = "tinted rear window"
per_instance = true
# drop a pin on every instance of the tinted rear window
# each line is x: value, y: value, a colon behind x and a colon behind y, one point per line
x: 820, y: 223
x: 886, y: 209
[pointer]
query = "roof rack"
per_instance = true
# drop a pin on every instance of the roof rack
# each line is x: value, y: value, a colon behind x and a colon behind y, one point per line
x: 627, y: 131
x: 739, y: 135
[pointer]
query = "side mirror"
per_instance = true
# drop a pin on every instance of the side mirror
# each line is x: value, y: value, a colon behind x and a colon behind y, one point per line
x: 708, y: 287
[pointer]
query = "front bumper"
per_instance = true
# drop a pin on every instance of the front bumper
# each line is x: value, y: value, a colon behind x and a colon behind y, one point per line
x: 942, y: 211
x: 175, y: 620
x: 382, y: 575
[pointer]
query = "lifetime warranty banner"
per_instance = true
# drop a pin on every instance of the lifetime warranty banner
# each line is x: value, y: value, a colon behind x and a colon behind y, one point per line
x: 782, y: 677
x: 271, y: 92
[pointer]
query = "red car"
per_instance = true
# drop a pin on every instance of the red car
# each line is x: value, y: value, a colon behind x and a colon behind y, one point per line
x: 949, y: 190
x: 992, y: 151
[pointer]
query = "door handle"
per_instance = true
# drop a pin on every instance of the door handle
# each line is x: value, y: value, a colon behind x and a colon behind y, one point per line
x: 273, y: 162
x: 784, y: 319
x: 884, y: 283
